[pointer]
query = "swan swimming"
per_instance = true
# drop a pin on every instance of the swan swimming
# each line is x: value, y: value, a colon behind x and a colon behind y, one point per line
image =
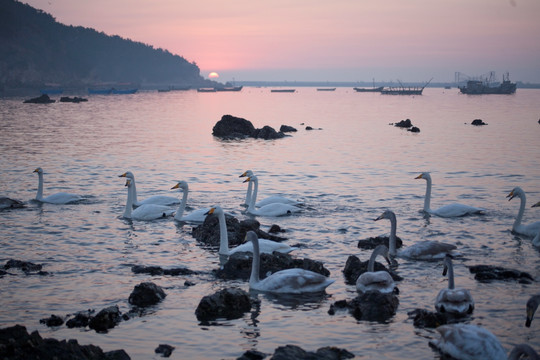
x: 146, y: 211
x: 288, y: 281
x: 58, y: 198
x: 536, y: 240
x: 155, y: 199
x: 196, y: 215
x: 265, y: 246
x: 453, y: 300
x: 380, y: 281
x: 532, y: 305
x: 274, y: 209
x: 472, y: 342
x: 450, y: 210
x: 527, y: 230
x: 268, y: 200
x: 424, y: 250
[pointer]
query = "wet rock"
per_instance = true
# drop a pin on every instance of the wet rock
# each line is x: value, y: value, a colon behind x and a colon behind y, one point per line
x: 25, y: 266
x: 374, y: 241
x: 16, y: 343
x: 414, y: 129
x: 354, y: 268
x: 229, y: 303
x: 369, y: 306
x: 156, y: 270
x: 267, y: 133
x: 231, y: 127
x: 146, y: 294
x: 404, y: 123
x: 239, y: 265
x: 486, y: 273
x: 287, y: 128
x: 431, y: 319
x: 478, y: 122
x: 275, y: 229
x: 81, y: 319
x: 164, y: 349
x: 53, y: 320
x: 74, y: 99
x: 105, y: 319
x: 293, y: 352
x: 252, y: 355
x: 43, y: 99
x: 7, y: 203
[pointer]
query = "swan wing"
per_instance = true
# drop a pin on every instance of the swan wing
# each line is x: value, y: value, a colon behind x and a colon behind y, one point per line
x: 530, y: 229
x: 293, y: 281
x: 276, y: 199
x: 197, y: 216
x: 427, y: 250
x: 62, y: 198
x: 151, y: 212
x: 159, y: 200
x: 456, y: 210
x: 275, y: 209
x: 265, y: 246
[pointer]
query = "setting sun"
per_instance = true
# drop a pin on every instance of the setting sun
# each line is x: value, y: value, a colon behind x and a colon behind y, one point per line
x: 213, y: 75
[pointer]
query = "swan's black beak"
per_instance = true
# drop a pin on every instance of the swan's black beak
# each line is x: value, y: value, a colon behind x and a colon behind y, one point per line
x: 379, y: 218
x: 175, y: 186
x: 209, y: 212
x: 511, y: 195
x: 248, y: 179
x: 419, y: 176
x: 243, y: 175
x: 123, y: 175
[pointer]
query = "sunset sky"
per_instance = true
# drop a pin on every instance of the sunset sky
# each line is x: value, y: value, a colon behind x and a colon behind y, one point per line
x: 321, y: 40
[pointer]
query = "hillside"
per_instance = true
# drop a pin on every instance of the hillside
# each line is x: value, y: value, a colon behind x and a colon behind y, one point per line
x: 36, y: 50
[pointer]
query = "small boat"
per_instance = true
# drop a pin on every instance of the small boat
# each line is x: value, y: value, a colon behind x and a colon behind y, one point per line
x: 326, y: 89
x: 402, y: 90
x: 283, y: 90
x: 206, y: 90
x: 230, y: 88
x: 373, y: 89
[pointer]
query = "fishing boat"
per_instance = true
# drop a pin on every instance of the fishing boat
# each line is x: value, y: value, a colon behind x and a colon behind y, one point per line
x: 326, y: 89
x: 480, y: 87
x: 283, y: 90
x: 230, y: 88
x: 206, y: 90
x: 403, y: 90
x: 373, y: 89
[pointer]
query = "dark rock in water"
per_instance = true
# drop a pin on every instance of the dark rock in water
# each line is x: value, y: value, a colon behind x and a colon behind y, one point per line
x: 164, y: 349
x: 404, y: 124
x: 478, y: 122
x: 233, y: 127
x: 275, y: 229
x: 43, y: 99
x: 2, y: 273
x: 105, y: 319
x: 239, y: 265
x: 424, y: 318
x: 25, y: 266
x: 16, y: 343
x: 287, y: 128
x: 74, y: 99
x: 53, y: 320
x: 7, y: 203
x: 81, y: 319
x: 414, y: 129
x: 156, y: 270
x: 146, y: 294
x: 293, y: 352
x: 486, y: 273
x: 252, y: 355
x: 372, y: 242
x: 230, y: 303
x: 267, y: 133
x: 208, y: 231
x: 354, y: 268
x: 370, y: 306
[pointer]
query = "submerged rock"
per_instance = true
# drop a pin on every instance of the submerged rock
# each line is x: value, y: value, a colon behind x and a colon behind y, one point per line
x: 293, y: 352
x: 369, y: 306
x: 146, y: 294
x: 164, y: 349
x: 25, y: 266
x: 252, y: 355
x: 478, y: 122
x: 106, y: 319
x: 486, y: 273
x: 431, y: 319
x: 156, y: 270
x: 53, y: 320
x: 229, y: 303
x: 81, y: 319
x: 354, y: 268
x: 74, y: 99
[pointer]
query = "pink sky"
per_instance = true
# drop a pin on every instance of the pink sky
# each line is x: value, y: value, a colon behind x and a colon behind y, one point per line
x: 321, y: 40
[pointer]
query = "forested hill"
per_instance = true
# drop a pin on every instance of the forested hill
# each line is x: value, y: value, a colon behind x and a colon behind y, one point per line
x: 35, y: 50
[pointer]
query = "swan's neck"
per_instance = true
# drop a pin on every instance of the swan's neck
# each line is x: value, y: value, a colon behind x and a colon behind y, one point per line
x: 248, y: 194
x: 251, y: 206
x: 254, y: 278
x: 39, y: 194
x: 129, y: 204
x: 223, y: 236
x: 182, y: 206
x: 450, y: 270
x: 427, y: 198
x: 517, y: 222
x: 392, y: 240
x: 371, y: 263
x: 134, y: 191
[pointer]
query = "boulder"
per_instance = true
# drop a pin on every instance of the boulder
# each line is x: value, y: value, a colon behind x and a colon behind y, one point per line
x: 74, y: 99
x: 164, y: 349
x: 53, y: 320
x: 267, y: 133
x: 404, y: 124
x: 43, y: 99
x: 486, y: 273
x: 229, y: 303
x: 293, y: 352
x: 146, y: 294
x: 478, y: 122
x: 374, y: 241
x: 105, y: 319
x: 369, y: 306
x: 287, y: 128
x: 81, y: 319
x: 233, y: 127
x: 157, y: 270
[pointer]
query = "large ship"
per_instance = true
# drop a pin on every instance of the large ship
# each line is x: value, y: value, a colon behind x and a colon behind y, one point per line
x: 479, y: 87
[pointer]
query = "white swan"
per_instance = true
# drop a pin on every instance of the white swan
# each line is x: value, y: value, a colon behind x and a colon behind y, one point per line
x: 380, y: 281
x: 424, y: 250
x: 265, y: 246
x: 58, y: 198
x: 248, y: 173
x: 290, y: 281
x: 450, y: 210
x: 268, y: 200
x: 532, y: 305
x: 453, y: 300
x: 274, y: 209
x: 472, y: 342
x: 155, y: 199
x: 536, y: 240
x: 527, y: 230
x: 146, y: 211
x: 196, y: 215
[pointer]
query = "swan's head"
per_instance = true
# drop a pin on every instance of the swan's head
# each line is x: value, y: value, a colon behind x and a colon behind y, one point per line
x: 214, y: 210
x: 424, y: 175
x: 536, y: 205
x: 127, y: 174
x: 181, y: 185
x: 532, y: 305
x: 247, y: 173
x: 387, y: 214
x: 517, y: 191
x: 38, y: 170
x: 251, y: 178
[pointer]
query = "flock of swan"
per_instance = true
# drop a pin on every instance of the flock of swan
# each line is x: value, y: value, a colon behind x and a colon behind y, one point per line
x: 461, y: 341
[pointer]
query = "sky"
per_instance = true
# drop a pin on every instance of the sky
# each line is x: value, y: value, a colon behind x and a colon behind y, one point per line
x: 323, y: 40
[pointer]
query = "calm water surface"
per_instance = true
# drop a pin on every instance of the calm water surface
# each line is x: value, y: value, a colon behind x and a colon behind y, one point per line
x: 348, y: 173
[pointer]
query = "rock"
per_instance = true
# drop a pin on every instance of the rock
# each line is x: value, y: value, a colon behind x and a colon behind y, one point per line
x: 239, y: 265
x: 233, y: 127
x: 424, y: 318
x: 7, y: 203
x: 354, y: 268
x: 478, y: 122
x: 486, y: 273
x: 146, y: 294
x: 267, y: 133
x: 404, y: 124
x: 293, y: 352
x: 164, y: 349
x: 16, y: 343
x: 74, y: 99
x: 369, y: 306
x: 25, y: 266
x: 43, y: 99
x: 252, y: 355
x: 81, y: 319
x: 229, y: 303
x: 275, y: 229
x: 53, y: 320
x: 287, y: 128
x: 372, y: 242
x: 105, y: 319
x: 156, y: 270
x: 414, y: 129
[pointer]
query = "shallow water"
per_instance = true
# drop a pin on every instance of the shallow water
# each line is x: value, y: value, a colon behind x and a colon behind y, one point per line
x: 348, y: 173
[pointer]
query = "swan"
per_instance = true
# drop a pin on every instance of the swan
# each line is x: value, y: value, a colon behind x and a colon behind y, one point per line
x: 58, y: 198
x: 536, y: 240
x: 248, y: 173
x: 453, y: 300
x: 265, y: 246
x: 450, y: 210
x: 380, y: 281
x: 8, y: 203
x: 274, y: 209
x: 527, y: 230
x: 268, y: 200
x: 532, y: 305
x: 195, y: 216
x: 145, y: 211
x: 424, y: 250
x: 289, y: 281
x: 155, y: 199
x: 471, y: 342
